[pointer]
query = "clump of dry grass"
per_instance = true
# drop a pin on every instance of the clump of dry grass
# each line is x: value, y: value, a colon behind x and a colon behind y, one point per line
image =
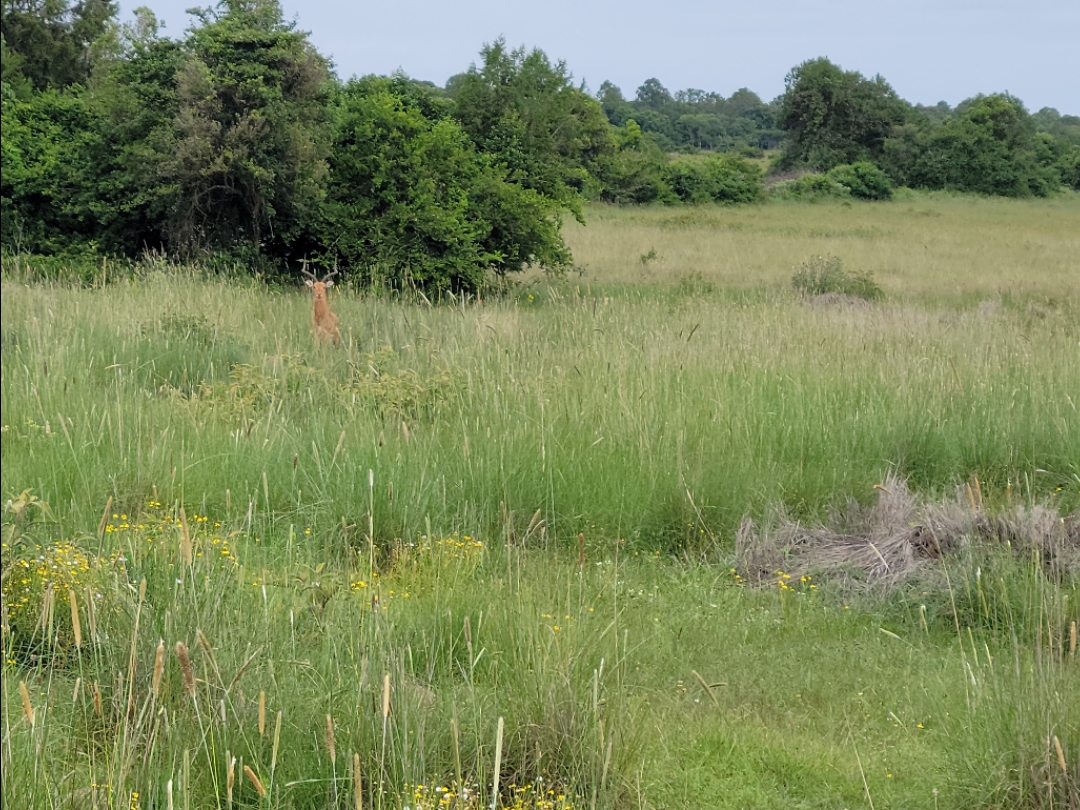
x: 887, y: 542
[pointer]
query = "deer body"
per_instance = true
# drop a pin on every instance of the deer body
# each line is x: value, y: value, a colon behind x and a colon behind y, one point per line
x: 323, y: 321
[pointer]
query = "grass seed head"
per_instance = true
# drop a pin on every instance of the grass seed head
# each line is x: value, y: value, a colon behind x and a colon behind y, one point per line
x: 185, y: 667
x: 28, y: 707
x: 159, y: 667
x: 250, y: 774
x: 76, y: 627
x: 185, y: 539
x: 230, y: 776
x: 358, y: 787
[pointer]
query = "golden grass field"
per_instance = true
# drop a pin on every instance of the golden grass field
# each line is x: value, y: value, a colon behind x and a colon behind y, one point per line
x: 919, y: 246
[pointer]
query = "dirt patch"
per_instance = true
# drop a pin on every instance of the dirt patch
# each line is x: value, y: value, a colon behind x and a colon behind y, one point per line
x: 889, y: 541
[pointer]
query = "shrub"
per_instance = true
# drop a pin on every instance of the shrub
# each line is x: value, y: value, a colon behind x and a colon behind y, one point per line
x: 635, y: 172
x: 863, y: 179
x: 716, y: 178
x: 825, y: 274
x: 411, y: 201
x: 811, y: 187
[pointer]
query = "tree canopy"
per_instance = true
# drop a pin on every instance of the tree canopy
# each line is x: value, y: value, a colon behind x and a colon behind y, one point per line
x: 525, y: 112
x: 236, y: 140
x: 832, y: 116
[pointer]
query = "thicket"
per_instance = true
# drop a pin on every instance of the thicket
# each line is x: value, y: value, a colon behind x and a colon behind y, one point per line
x: 237, y: 143
x: 989, y: 144
x: 691, y: 120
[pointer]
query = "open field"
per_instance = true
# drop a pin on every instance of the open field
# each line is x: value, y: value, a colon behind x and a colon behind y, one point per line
x: 496, y: 541
x: 918, y: 246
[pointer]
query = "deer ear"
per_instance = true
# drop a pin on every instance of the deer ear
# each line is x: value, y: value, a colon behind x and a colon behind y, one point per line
x: 309, y: 282
x: 329, y: 283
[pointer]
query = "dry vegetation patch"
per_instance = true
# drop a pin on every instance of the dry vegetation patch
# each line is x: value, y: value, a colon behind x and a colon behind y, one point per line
x: 885, y: 543
x: 926, y: 245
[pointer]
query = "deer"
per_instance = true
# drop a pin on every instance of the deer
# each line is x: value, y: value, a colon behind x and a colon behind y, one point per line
x: 323, y: 322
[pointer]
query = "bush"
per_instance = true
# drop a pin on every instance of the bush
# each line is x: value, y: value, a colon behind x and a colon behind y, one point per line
x: 635, y: 172
x: 825, y: 274
x: 988, y: 148
x: 863, y: 179
x: 409, y: 195
x: 715, y: 178
x: 811, y: 187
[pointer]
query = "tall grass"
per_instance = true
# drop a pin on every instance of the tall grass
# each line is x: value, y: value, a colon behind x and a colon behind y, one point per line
x: 927, y: 246
x: 613, y: 413
x: 486, y: 547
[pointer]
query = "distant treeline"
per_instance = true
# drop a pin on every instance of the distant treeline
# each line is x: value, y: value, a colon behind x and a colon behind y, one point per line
x: 237, y: 141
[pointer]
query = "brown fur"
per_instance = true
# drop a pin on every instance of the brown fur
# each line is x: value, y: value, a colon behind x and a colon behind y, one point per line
x: 323, y: 322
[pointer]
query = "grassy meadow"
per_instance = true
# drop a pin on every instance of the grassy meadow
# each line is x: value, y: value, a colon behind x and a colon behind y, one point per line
x: 488, y: 551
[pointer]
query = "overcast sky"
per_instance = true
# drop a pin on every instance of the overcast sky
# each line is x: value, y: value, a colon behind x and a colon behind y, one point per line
x: 928, y: 50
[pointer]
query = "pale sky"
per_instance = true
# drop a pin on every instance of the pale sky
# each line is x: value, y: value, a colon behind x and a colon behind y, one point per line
x: 928, y: 50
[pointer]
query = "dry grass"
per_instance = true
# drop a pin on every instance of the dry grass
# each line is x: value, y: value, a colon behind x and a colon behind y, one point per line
x: 889, y: 541
x: 920, y: 245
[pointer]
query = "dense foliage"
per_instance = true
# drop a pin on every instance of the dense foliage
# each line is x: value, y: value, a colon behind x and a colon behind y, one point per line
x: 833, y: 116
x: 694, y: 119
x: 237, y: 142
x: 411, y: 198
x: 988, y: 144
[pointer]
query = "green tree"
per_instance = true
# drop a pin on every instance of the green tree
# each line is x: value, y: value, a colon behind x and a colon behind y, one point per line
x: 654, y: 95
x: 1066, y: 126
x: 523, y: 110
x: 246, y: 161
x: 635, y: 172
x: 701, y: 130
x: 411, y: 201
x: 135, y: 104
x: 617, y: 109
x: 988, y: 147
x: 52, y: 43
x: 744, y: 102
x: 46, y: 138
x: 832, y: 116
x: 12, y: 73
x: 903, y: 149
x: 693, y: 120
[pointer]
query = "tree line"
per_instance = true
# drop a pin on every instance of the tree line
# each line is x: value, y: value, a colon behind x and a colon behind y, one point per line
x: 238, y: 140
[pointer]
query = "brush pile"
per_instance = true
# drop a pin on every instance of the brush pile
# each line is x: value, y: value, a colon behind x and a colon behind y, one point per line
x: 884, y: 544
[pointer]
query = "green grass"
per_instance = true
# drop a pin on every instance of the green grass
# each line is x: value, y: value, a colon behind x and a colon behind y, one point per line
x: 525, y: 508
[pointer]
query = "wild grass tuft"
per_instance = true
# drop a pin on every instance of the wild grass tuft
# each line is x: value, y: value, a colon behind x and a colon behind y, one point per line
x: 825, y: 275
